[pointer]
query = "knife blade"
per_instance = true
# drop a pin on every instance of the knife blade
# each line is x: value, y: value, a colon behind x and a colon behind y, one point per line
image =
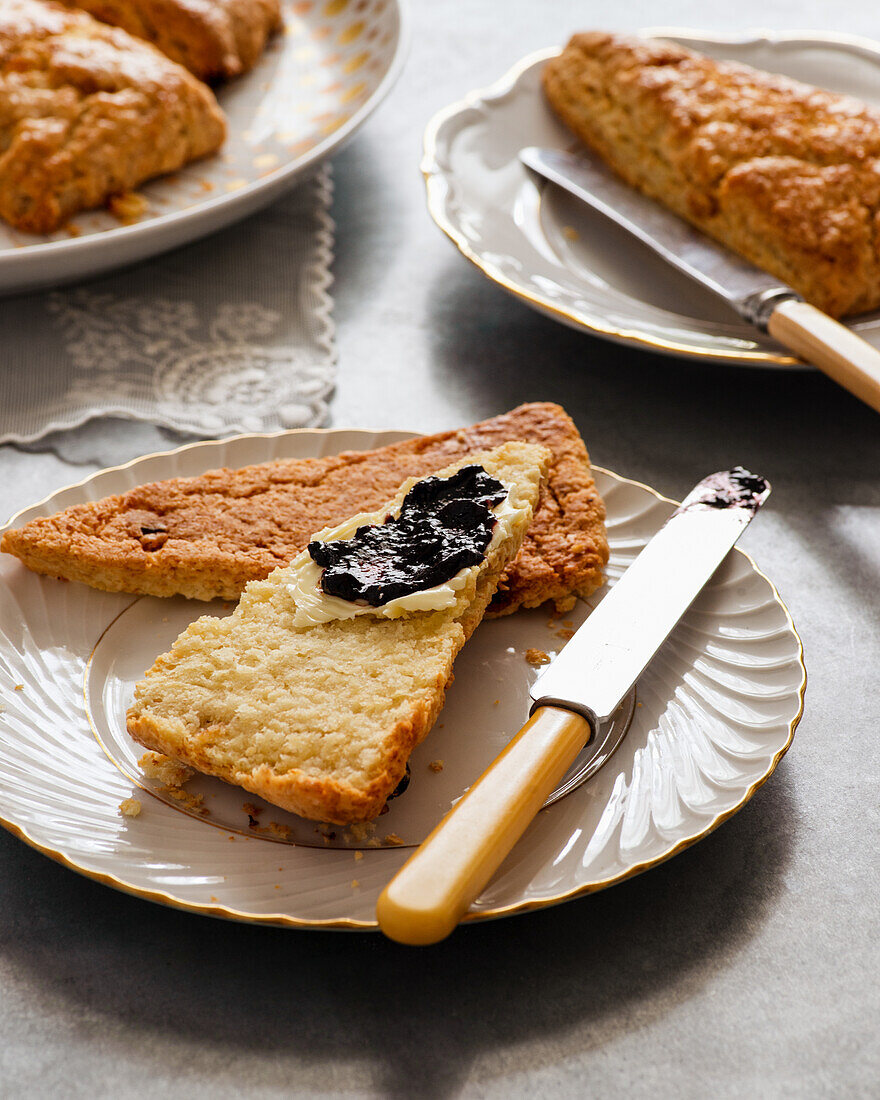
x: 609, y: 652
x: 759, y: 298
x: 583, y: 685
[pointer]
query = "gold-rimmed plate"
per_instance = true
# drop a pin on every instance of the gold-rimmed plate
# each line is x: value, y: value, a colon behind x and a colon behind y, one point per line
x: 318, y: 81
x: 716, y: 711
x: 565, y: 260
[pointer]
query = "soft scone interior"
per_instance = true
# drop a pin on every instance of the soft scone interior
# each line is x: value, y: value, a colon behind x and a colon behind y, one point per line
x: 321, y: 719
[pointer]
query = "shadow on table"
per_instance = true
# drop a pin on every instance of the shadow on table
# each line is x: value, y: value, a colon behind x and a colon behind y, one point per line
x: 651, y: 417
x: 354, y: 1012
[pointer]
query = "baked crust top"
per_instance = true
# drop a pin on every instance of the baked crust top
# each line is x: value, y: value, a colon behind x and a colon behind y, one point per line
x: 87, y: 111
x: 208, y: 536
x: 215, y: 39
x: 786, y: 174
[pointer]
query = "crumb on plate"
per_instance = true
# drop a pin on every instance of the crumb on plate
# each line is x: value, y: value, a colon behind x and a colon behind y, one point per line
x: 128, y: 206
x: 129, y: 807
x: 155, y: 765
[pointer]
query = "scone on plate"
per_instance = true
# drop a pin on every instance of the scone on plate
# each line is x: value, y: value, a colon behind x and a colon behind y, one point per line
x: 87, y: 111
x: 215, y: 39
x: 783, y: 173
x: 315, y: 691
x: 208, y: 536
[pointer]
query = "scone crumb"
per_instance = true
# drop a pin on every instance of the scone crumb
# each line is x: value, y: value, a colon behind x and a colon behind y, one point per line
x: 537, y: 657
x: 436, y: 765
x: 192, y: 802
x: 566, y: 603
x: 251, y: 810
x: 155, y: 765
x: 19, y: 687
x: 566, y: 635
x: 213, y: 897
x: 570, y: 233
x: 72, y: 230
x: 128, y: 206
x: 358, y: 855
x: 275, y: 828
x: 361, y: 831
x: 129, y: 807
x: 393, y: 838
x: 354, y: 884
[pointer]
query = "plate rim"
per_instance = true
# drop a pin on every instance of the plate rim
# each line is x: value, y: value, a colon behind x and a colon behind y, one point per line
x: 354, y: 924
x: 248, y: 196
x: 437, y: 189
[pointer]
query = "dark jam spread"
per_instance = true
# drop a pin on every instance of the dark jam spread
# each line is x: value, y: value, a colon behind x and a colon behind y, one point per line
x: 735, y: 488
x: 445, y: 525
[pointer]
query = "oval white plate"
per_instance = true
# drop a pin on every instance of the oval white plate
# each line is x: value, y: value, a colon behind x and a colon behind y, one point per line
x: 716, y: 711
x: 317, y: 83
x: 567, y: 261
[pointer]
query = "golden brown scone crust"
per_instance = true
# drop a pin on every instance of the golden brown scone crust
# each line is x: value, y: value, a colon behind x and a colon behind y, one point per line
x: 215, y: 39
x: 208, y: 536
x: 783, y: 173
x: 86, y: 111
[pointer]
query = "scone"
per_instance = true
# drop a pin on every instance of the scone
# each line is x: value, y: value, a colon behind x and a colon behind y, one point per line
x: 315, y: 691
x: 785, y: 174
x: 215, y: 39
x: 87, y: 111
x: 208, y: 536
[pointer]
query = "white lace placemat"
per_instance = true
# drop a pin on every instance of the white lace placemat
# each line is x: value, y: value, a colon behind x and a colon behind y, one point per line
x: 232, y: 334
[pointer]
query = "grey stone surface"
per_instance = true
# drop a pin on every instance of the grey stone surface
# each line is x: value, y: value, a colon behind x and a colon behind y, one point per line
x: 747, y: 966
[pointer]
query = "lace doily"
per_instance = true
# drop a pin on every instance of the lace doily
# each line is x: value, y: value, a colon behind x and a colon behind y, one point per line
x: 231, y: 334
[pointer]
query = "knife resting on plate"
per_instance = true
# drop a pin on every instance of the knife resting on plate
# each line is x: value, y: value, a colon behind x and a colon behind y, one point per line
x: 757, y: 297
x: 580, y: 688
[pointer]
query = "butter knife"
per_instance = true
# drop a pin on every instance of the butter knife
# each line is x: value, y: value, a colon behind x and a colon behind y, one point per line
x: 757, y: 297
x: 580, y: 688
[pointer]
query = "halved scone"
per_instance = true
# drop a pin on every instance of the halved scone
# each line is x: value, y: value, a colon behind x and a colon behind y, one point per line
x: 208, y: 536
x: 315, y: 700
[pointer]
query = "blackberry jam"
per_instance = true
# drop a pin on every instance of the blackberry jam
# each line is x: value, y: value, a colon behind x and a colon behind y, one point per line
x: 444, y: 526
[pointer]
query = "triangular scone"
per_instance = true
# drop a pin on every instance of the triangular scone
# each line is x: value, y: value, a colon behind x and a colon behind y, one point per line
x: 783, y: 173
x: 215, y: 40
x: 87, y: 111
x: 321, y: 719
x: 208, y: 536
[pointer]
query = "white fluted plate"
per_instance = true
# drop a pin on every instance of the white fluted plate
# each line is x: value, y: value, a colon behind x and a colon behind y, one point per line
x: 716, y: 711
x: 556, y: 254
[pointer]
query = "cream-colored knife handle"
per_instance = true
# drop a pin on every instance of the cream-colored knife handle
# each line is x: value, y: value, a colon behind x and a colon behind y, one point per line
x: 434, y: 889
x: 814, y: 336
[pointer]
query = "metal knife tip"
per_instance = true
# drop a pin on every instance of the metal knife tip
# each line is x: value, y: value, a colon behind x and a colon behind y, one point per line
x: 734, y: 488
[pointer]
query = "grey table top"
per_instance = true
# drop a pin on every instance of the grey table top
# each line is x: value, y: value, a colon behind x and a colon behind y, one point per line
x: 746, y: 966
